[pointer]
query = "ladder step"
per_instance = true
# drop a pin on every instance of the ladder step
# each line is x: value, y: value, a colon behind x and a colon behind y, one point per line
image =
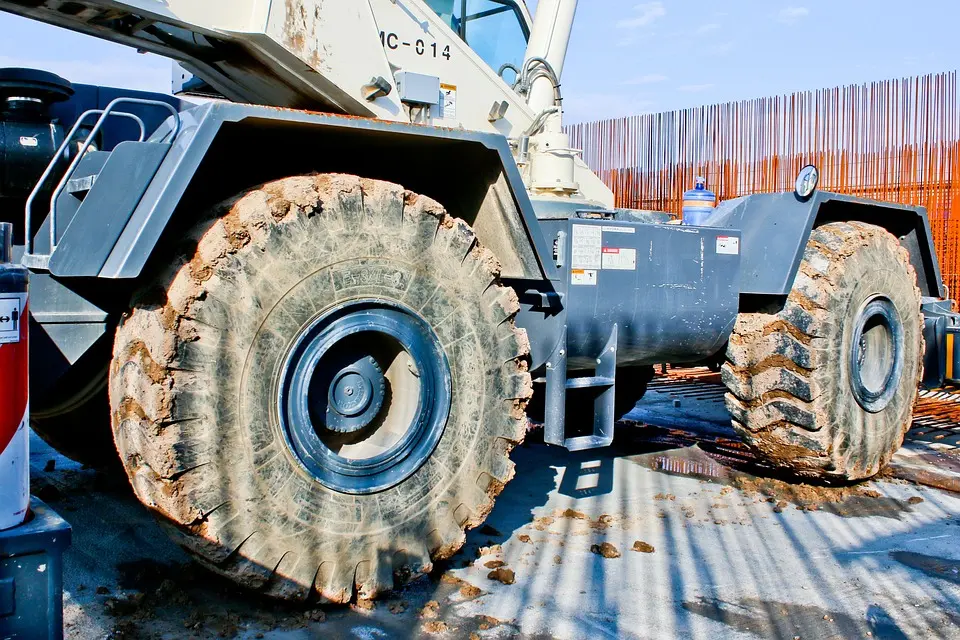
x: 587, y: 382
x: 583, y: 443
x: 81, y: 185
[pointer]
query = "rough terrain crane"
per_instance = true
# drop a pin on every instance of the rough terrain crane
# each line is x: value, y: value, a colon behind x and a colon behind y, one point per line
x: 315, y: 308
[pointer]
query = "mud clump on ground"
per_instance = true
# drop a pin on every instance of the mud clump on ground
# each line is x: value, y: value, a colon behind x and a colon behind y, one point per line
x: 488, y: 622
x: 503, y: 575
x: 430, y: 610
x: 915, y: 500
x: 643, y: 547
x: 494, y: 564
x: 603, y: 522
x: 606, y: 550
x: 435, y: 627
x: 524, y: 538
x: 467, y: 590
x: 600, y: 524
x: 851, y: 501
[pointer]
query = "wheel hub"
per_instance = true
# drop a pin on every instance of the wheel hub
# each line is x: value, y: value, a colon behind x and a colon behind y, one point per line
x: 354, y: 396
x: 364, y: 395
x: 876, y: 354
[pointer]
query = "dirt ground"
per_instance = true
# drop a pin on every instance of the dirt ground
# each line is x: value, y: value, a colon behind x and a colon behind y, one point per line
x: 666, y: 534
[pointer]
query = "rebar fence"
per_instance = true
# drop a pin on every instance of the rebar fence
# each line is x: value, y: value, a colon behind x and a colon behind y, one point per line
x: 895, y: 140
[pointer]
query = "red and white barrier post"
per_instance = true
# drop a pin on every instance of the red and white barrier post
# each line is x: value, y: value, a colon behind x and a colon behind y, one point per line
x: 14, y: 386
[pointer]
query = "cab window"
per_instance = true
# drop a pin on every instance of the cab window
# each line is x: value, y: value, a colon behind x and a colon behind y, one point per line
x: 495, y: 29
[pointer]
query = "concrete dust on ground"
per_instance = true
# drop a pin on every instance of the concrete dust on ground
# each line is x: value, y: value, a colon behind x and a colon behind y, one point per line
x: 665, y: 534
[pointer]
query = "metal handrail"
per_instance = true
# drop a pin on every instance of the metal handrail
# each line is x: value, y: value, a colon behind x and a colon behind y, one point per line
x: 104, y: 114
x: 62, y: 152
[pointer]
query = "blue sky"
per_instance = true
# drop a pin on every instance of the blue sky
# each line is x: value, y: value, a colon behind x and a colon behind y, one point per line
x: 628, y: 57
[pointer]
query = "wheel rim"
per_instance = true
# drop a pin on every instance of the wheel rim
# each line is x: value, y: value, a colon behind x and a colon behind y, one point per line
x: 876, y: 354
x: 364, y: 396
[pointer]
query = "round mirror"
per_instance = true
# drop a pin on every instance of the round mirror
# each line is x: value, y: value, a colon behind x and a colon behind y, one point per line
x: 807, y: 181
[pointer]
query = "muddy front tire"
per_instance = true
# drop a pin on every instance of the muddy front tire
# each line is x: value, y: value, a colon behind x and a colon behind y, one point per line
x: 825, y: 385
x: 323, y: 392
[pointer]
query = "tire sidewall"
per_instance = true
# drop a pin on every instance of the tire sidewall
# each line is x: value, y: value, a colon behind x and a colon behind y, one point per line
x: 867, y: 276
x: 291, y: 498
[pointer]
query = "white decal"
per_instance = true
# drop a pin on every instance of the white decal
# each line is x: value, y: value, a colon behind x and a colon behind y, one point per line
x: 620, y: 259
x: 728, y: 245
x: 587, y: 242
x: 586, y: 277
x: 11, y: 316
x: 620, y: 229
x: 28, y: 141
x: 448, y: 102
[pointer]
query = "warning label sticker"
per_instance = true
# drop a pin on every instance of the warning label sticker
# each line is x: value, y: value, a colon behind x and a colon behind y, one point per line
x: 586, y: 277
x: 11, y: 315
x: 587, y: 242
x: 728, y: 245
x: 620, y: 259
x: 448, y: 102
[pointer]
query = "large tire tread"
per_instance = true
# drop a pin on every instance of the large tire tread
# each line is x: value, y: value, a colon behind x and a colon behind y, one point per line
x: 161, y: 403
x: 778, y: 402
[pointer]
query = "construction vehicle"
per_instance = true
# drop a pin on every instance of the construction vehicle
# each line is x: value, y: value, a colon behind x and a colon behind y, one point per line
x: 317, y: 306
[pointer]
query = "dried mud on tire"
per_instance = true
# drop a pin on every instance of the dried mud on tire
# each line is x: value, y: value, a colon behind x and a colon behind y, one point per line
x: 194, y: 371
x: 786, y: 368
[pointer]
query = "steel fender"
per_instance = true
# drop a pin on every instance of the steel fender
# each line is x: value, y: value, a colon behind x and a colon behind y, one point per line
x: 775, y: 229
x: 226, y: 148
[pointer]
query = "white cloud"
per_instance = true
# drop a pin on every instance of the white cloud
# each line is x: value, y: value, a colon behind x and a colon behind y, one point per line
x: 646, y: 13
x: 650, y: 78
x: 792, y: 14
x: 707, y: 28
x: 695, y: 88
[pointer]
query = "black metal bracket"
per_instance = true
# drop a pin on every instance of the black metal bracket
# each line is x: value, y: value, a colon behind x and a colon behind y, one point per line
x: 558, y: 385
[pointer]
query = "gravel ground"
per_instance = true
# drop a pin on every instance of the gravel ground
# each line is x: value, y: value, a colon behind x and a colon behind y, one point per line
x: 666, y: 534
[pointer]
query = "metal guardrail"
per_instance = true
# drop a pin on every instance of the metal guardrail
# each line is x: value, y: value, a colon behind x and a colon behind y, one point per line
x: 37, y: 261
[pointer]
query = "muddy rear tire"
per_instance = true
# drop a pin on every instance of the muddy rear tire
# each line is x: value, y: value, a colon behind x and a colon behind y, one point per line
x: 825, y: 386
x: 323, y: 392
